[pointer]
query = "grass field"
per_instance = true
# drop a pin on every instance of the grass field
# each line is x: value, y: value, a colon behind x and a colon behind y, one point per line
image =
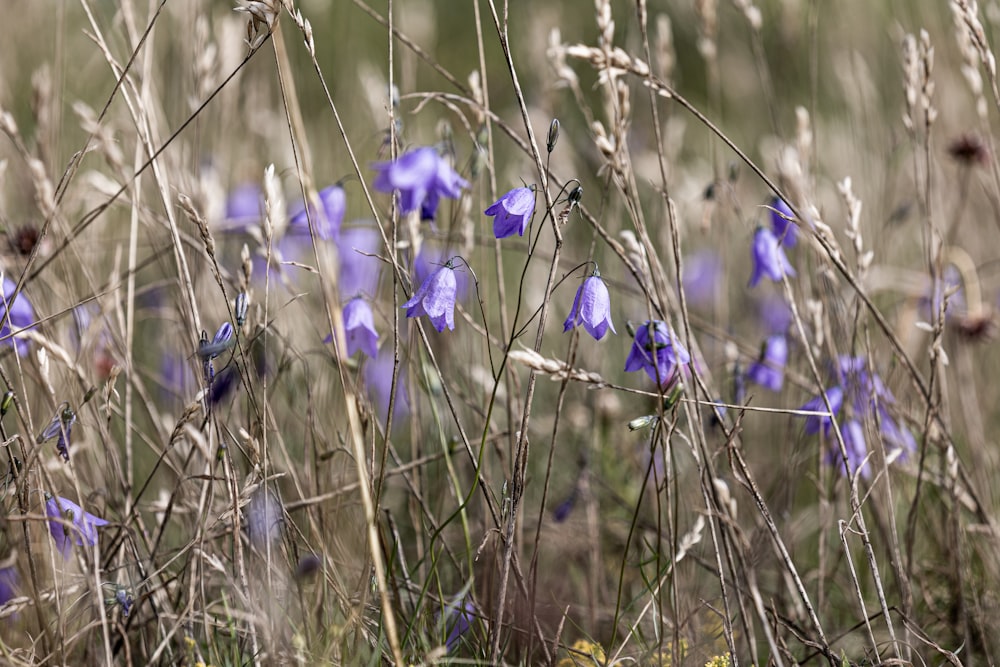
x: 524, y: 333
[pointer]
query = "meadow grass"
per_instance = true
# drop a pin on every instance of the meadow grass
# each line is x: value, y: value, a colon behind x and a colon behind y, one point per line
x: 709, y: 384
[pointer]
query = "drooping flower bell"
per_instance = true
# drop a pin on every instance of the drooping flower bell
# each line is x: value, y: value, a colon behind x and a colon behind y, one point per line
x: 22, y: 315
x: 61, y: 426
x: 83, y: 529
x: 359, y: 327
x: 421, y: 176
x: 435, y: 298
x: 785, y: 230
x: 592, y: 308
x: 327, y: 221
x: 512, y: 212
x: 769, y: 370
x: 768, y: 257
x: 655, y: 351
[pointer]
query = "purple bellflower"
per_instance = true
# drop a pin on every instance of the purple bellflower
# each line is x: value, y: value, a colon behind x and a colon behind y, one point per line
x: 83, y: 529
x: 702, y: 271
x: 655, y: 351
x: 512, y: 212
x: 435, y: 298
x: 768, y: 257
x: 359, y: 273
x: 857, y: 450
x: 378, y: 380
x: 814, y: 422
x: 243, y: 207
x: 61, y: 426
x: 592, y: 308
x: 774, y: 314
x: 421, y: 176
x: 429, y: 260
x: 327, y: 223
x: 22, y: 315
x: 359, y: 328
x: 222, y: 341
x: 769, y: 370
x: 459, y: 617
x: 9, y: 582
x: 785, y: 230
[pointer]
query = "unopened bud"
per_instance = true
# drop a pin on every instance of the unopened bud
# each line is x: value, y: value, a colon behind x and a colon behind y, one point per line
x: 553, y: 137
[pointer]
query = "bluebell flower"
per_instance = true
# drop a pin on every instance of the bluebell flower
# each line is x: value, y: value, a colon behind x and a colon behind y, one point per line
x: 359, y: 273
x: 655, y: 351
x: 769, y: 370
x: 592, y: 308
x: 83, y: 529
x: 378, y: 380
x: 702, y: 271
x: 768, y: 257
x: 22, y: 316
x: 359, y: 328
x: 512, y: 212
x: 326, y: 222
x: 429, y: 260
x: 420, y: 176
x: 459, y: 617
x: 856, y: 447
x: 774, y: 314
x: 125, y: 600
x: 10, y: 580
x: 435, y: 298
x: 786, y: 231
x: 222, y: 341
x: 244, y: 206
x: 61, y: 426
x: 815, y: 422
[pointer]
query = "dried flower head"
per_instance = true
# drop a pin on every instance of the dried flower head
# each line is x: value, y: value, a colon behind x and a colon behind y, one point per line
x: 969, y: 150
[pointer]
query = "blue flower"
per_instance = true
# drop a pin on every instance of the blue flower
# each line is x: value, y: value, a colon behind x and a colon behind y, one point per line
x: 785, y: 230
x: 512, y: 212
x: 428, y: 261
x: 856, y: 447
x: 83, y: 530
x: 459, y: 616
x: 769, y: 370
x: 702, y: 271
x: 592, y: 308
x: 655, y: 351
x: 768, y: 257
x: 435, y: 298
x: 814, y: 422
x: 378, y: 380
x: 22, y: 316
x: 359, y: 328
x: 61, y: 426
x: 421, y: 176
x: 9, y: 582
x: 359, y: 273
x: 243, y: 207
x: 327, y: 225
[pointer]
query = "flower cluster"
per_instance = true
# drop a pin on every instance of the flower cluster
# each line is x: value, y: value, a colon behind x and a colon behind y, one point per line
x: 859, y: 397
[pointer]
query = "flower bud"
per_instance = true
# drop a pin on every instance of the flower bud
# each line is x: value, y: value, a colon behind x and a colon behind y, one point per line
x: 553, y: 137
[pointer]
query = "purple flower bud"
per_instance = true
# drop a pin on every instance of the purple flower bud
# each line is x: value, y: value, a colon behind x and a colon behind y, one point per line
x: 655, y: 351
x: 435, y: 298
x: 768, y: 257
x: 359, y: 328
x: 512, y: 212
x: 61, y: 426
x: 769, y: 370
x: 83, y: 530
x: 124, y: 598
x: 22, y: 316
x: 592, y: 308
x: 786, y: 231
x: 417, y: 175
x: 222, y: 341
